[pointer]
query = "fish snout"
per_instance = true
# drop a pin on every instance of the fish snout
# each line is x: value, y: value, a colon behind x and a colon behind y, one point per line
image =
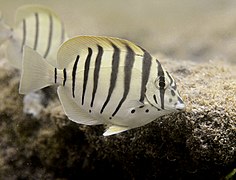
x: 180, y: 106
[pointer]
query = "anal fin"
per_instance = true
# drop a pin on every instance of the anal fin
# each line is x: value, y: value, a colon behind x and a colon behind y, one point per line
x: 73, y: 111
x: 115, y: 129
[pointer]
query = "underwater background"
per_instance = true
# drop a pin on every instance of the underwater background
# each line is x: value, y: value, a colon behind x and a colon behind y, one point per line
x: 188, y: 29
x: 194, y: 40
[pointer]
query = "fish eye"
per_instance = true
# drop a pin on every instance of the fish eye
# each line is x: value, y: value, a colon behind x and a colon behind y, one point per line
x: 160, y: 83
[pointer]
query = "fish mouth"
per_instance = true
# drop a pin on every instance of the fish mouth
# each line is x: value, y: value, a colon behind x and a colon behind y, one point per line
x: 180, y: 106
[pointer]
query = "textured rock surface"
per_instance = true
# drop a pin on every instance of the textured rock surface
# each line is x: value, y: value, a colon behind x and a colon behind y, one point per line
x: 199, y: 143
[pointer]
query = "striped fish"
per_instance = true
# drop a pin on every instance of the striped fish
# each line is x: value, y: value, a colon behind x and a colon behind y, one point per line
x: 37, y: 27
x: 104, y: 80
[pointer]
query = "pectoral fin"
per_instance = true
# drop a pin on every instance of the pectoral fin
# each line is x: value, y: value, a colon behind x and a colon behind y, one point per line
x: 114, y: 129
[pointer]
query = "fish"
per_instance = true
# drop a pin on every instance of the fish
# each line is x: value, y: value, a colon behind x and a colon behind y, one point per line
x: 104, y: 80
x: 37, y: 27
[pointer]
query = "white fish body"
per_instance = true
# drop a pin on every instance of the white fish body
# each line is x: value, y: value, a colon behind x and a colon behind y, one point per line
x: 105, y: 81
x: 37, y: 27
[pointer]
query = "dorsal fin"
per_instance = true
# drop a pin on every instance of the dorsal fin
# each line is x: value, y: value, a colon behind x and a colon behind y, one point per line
x: 40, y: 28
x: 26, y: 11
x: 80, y: 44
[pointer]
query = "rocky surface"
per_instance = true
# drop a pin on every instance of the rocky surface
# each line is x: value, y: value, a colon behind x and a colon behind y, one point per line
x: 199, y: 143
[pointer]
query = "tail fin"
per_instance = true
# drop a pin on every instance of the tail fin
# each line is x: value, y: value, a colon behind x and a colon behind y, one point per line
x: 5, y: 30
x: 36, y: 72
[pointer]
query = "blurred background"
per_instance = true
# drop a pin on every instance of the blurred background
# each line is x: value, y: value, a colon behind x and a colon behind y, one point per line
x: 192, y: 30
x: 187, y: 29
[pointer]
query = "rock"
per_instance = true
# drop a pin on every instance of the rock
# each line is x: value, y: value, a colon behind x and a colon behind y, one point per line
x: 197, y: 144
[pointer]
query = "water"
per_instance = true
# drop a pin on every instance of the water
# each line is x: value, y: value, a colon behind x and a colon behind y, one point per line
x: 187, y: 29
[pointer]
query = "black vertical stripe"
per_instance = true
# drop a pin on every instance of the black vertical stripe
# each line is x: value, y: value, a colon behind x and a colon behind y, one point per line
x: 36, y: 30
x: 55, y: 75
x: 180, y: 100
x: 96, y: 73
x: 49, y: 36
x: 147, y: 62
x: 114, y: 72
x: 162, y: 94
x: 155, y: 98
x: 65, y: 76
x: 86, y: 72
x: 171, y: 81
x: 161, y: 77
x: 24, y: 34
x: 74, y: 75
x: 129, y: 61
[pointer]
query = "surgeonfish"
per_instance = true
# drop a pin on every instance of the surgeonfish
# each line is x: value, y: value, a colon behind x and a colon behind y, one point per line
x: 104, y: 80
x: 37, y: 27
